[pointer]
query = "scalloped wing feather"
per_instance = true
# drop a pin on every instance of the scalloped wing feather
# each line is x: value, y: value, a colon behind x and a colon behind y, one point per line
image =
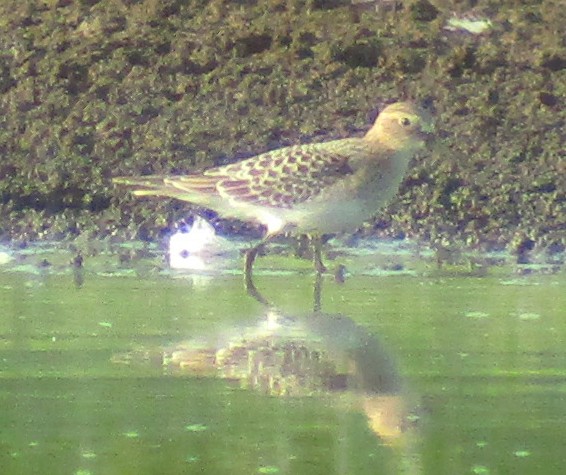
x: 281, y: 178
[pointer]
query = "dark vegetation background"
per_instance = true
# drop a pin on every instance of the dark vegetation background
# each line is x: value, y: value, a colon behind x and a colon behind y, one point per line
x: 93, y: 89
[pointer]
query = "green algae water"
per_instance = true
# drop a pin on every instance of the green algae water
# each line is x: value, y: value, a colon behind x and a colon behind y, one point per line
x: 117, y: 374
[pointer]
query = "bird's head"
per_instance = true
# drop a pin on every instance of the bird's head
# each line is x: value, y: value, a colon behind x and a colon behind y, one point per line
x: 402, y: 126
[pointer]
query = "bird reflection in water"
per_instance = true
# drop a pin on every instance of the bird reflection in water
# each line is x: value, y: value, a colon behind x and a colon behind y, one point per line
x: 317, y: 355
x: 322, y: 353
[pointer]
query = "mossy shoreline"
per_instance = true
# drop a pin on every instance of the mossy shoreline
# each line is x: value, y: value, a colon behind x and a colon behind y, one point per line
x: 93, y: 89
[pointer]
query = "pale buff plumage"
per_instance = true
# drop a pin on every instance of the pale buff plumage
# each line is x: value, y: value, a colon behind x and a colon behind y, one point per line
x: 311, y: 189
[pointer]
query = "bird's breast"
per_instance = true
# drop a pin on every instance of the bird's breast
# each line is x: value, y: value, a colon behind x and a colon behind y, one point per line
x: 346, y: 205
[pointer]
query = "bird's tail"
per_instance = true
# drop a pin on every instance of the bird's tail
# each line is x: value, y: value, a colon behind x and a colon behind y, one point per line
x: 194, y: 188
x: 150, y: 185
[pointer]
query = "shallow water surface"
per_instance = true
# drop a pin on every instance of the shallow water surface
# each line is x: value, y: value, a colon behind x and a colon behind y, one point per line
x: 418, y: 374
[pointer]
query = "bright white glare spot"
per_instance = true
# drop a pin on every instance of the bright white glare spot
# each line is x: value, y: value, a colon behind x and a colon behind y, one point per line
x: 189, y: 249
x: 271, y: 222
x: 200, y: 235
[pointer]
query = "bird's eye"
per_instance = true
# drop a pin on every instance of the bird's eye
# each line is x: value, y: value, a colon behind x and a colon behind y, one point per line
x: 405, y: 122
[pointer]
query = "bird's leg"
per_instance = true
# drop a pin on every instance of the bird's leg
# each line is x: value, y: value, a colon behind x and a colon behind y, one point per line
x: 317, y: 254
x: 251, y: 254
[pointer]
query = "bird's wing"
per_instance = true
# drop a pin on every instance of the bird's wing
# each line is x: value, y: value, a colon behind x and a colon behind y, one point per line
x: 280, y: 178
